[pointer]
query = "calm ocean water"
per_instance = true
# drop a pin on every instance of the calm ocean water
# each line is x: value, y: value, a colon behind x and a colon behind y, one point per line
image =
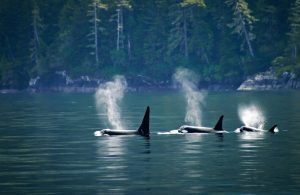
x: 47, y: 146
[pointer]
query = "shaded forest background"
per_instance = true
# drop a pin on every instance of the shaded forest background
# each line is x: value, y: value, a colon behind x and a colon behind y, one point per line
x: 223, y: 41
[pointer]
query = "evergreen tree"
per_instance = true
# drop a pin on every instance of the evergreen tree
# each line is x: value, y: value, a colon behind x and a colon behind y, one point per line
x: 95, y: 5
x: 201, y: 38
x: 181, y: 16
x: 73, y: 53
x: 294, y: 34
x: 36, y: 42
x: 270, y: 30
x: 147, y: 37
x: 119, y: 55
x: 15, y: 35
x: 242, y: 22
x: 155, y: 33
x: 121, y: 5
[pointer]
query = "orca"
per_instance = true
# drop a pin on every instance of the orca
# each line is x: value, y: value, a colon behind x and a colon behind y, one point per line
x: 143, y: 130
x: 196, y: 129
x: 253, y: 129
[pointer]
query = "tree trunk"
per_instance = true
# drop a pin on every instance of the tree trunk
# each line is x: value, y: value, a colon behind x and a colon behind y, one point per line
x: 35, y: 31
x: 96, y: 32
x: 118, y: 30
x: 120, y: 41
x: 129, y: 48
x: 246, y: 34
x: 295, y: 51
x: 206, y: 58
x: 186, y: 54
x: 36, y: 39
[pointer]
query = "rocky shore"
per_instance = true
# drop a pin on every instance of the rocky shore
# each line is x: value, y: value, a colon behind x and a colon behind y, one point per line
x: 60, y: 81
x: 269, y: 81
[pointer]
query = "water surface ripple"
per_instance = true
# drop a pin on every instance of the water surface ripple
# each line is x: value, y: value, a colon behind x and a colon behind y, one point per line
x: 47, y: 146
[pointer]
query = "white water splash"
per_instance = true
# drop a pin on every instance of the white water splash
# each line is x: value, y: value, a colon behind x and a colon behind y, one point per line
x: 108, y: 97
x: 251, y: 116
x: 194, y: 98
x: 171, y: 132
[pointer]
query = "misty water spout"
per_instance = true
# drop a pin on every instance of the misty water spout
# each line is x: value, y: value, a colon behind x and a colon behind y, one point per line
x: 194, y: 98
x: 108, y: 98
x: 251, y: 116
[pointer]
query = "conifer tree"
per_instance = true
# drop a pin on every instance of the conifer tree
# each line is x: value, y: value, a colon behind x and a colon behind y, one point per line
x: 155, y: 33
x: 95, y: 5
x: 119, y: 6
x: 180, y: 15
x: 36, y: 42
x: 294, y: 34
x: 119, y: 55
x: 242, y: 21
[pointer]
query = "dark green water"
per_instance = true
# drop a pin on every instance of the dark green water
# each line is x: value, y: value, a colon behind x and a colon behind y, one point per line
x: 47, y: 146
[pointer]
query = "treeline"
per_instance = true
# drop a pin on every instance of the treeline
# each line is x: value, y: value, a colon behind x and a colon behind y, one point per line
x: 222, y: 40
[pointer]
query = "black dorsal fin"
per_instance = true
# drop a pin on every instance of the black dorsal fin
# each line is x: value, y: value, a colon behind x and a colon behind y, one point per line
x: 219, y: 125
x: 272, y: 130
x: 144, y: 128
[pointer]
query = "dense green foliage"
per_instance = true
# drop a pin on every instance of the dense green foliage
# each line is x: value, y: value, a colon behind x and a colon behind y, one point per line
x: 223, y: 41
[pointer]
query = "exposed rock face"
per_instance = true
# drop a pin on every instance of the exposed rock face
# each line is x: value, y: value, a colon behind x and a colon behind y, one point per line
x: 268, y: 81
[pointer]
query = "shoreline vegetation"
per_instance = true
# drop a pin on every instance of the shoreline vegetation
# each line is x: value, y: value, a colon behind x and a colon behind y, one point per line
x: 231, y: 44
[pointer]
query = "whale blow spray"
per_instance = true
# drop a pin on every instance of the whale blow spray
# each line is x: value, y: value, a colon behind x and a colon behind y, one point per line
x: 194, y: 98
x: 251, y: 116
x: 108, y: 97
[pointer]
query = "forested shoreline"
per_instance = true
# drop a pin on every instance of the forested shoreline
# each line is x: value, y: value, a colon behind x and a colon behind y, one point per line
x: 222, y: 41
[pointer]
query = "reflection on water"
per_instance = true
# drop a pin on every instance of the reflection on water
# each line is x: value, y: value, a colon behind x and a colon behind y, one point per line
x: 252, y: 135
x: 250, y: 163
x: 192, y: 147
x: 111, y: 146
x: 196, y: 137
x: 116, y: 158
x: 112, y: 164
